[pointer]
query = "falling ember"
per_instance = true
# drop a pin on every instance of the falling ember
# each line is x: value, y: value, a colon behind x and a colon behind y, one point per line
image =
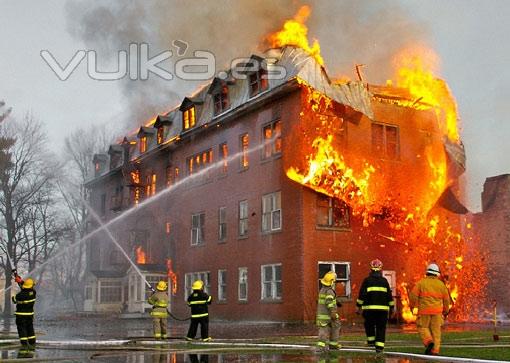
x: 141, y: 257
x: 171, y: 275
x: 295, y: 33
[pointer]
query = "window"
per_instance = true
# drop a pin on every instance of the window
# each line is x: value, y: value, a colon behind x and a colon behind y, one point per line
x: 160, y: 136
x: 258, y: 82
x: 110, y: 291
x: 271, y: 278
x: 137, y: 191
x: 199, y: 161
x: 331, y: 212
x: 271, y: 212
x: 169, y: 172
x: 220, y: 99
x: 102, y: 209
x: 224, y: 157
x: 190, y: 277
x: 222, y: 223
x: 243, y: 218
x: 197, y: 228
x: 150, y: 186
x: 343, y: 276
x: 188, y: 118
x: 385, y: 141
x: 244, y: 143
x: 272, y: 134
x: 143, y: 144
x: 242, y: 290
x: 222, y: 285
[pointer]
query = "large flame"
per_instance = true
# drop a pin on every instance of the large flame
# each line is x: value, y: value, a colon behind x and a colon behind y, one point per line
x: 141, y: 257
x: 171, y: 275
x: 295, y: 33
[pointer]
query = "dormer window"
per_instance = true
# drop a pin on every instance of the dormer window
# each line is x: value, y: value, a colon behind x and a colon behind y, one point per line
x: 161, y: 125
x: 160, y: 136
x: 220, y: 99
x: 189, y: 118
x: 143, y: 144
x: 258, y: 82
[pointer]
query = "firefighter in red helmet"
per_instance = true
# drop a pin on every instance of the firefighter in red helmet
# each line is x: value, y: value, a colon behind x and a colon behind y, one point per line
x: 376, y: 304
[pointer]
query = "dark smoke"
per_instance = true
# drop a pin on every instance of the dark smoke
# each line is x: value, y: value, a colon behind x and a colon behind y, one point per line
x: 349, y: 32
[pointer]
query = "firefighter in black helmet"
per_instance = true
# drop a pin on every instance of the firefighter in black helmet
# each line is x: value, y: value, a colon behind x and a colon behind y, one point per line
x: 376, y: 303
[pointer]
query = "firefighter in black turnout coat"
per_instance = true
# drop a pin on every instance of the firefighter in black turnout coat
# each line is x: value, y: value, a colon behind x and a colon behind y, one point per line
x: 25, y: 300
x: 199, y: 301
x: 376, y: 303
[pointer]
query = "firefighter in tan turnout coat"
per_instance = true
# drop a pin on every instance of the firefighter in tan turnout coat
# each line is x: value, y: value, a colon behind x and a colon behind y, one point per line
x: 327, y: 317
x: 159, y: 313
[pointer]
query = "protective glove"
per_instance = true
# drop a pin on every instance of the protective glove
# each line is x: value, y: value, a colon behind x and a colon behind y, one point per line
x: 334, y: 316
x: 338, y: 302
x: 358, y: 311
x: 13, y: 299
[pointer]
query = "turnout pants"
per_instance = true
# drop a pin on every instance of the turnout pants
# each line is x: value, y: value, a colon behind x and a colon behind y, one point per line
x: 429, y: 327
x: 329, y: 334
x: 204, y: 327
x: 375, y: 327
x: 160, y: 326
x: 25, y: 325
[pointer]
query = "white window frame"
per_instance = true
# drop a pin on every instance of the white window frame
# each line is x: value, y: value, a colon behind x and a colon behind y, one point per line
x: 271, y: 283
x: 222, y: 285
x: 270, y: 144
x: 190, y: 277
x: 242, y: 279
x: 343, y: 280
x: 222, y: 223
x: 197, y: 231
x: 243, y: 218
x: 272, y: 212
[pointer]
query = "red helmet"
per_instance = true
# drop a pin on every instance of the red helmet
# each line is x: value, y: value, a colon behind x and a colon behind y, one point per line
x: 376, y: 265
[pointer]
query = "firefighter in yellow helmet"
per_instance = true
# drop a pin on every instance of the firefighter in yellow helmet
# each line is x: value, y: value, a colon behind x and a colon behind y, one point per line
x: 327, y: 318
x: 198, y: 301
x: 25, y: 300
x: 430, y: 295
x: 159, y: 313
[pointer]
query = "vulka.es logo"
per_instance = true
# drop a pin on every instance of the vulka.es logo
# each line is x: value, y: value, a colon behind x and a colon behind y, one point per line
x: 138, y: 65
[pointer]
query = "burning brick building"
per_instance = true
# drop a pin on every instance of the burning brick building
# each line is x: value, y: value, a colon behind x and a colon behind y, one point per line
x: 259, y: 185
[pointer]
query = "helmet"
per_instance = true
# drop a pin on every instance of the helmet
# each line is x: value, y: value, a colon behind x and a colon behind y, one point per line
x: 161, y: 286
x: 197, y: 285
x: 376, y: 265
x: 433, y: 269
x: 329, y: 278
x: 28, y: 284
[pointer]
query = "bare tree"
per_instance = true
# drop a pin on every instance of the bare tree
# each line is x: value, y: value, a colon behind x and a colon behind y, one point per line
x: 22, y: 177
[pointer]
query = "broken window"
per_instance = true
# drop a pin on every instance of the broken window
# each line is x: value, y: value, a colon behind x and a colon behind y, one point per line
x: 169, y: 172
x: 160, y: 136
x: 224, y: 157
x: 242, y: 289
x: 150, y: 185
x: 271, y: 282
x: 271, y: 212
x: 143, y: 144
x: 220, y: 99
x: 222, y: 223
x: 332, y: 212
x: 258, y: 81
x: 199, y: 161
x: 243, y: 218
x: 188, y: 118
x: 244, y: 143
x: 197, y: 228
x: 385, y: 140
x: 272, y: 139
x: 222, y: 285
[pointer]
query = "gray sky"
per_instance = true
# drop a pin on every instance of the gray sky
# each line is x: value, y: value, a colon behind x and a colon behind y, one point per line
x: 470, y: 37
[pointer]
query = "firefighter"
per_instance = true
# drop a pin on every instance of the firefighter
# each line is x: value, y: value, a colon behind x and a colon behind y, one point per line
x: 159, y: 313
x: 198, y: 302
x: 376, y: 303
x: 24, y: 301
x: 327, y: 318
x: 430, y: 295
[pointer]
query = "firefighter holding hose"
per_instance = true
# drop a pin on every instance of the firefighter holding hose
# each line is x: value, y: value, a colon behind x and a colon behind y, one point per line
x: 432, y: 298
x: 327, y: 318
x: 159, y: 313
x: 24, y: 301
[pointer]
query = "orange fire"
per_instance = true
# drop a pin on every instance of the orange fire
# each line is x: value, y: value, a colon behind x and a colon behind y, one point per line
x: 141, y: 257
x: 295, y: 33
x: 172, y: 275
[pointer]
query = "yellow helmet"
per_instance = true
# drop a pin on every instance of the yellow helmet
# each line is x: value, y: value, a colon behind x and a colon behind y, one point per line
x: 329, y: 278
x: 28, y: 283
x: 197, y: 285
x: 162, y: 286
